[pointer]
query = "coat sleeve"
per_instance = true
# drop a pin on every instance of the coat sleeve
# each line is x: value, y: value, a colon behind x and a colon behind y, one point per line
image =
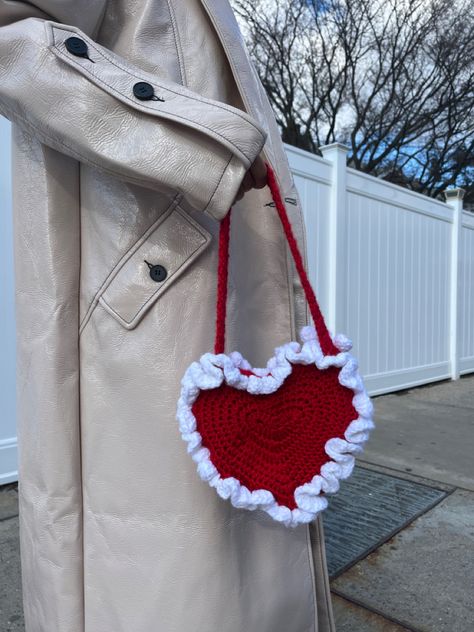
x: 89, y: 107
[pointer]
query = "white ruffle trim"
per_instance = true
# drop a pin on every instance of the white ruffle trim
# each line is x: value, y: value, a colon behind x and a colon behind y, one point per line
x: 210, y: 371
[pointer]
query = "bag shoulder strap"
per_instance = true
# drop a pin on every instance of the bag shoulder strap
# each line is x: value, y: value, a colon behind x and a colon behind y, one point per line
x: 327, y: 346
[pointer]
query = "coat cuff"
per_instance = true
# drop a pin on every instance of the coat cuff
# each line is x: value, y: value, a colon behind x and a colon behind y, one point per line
x: 230, y: 126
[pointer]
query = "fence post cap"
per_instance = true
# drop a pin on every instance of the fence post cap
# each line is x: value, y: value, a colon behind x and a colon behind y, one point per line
x: 454, y: 194
x: 334, y: 146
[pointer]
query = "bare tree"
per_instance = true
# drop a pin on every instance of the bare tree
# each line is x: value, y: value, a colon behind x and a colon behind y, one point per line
x: 393, y: 79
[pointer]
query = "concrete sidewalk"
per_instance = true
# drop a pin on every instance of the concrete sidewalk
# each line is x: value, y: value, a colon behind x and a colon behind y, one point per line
x: 421, y: 578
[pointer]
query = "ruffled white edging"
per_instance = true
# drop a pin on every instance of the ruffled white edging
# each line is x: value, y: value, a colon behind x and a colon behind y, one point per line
x: 210, y: 371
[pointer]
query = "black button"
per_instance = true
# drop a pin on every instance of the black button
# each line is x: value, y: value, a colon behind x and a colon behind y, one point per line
x: 76, y: 46
x: 158, y: 273
x: 143, y: 90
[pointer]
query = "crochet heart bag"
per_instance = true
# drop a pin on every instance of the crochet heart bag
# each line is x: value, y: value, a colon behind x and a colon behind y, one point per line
x: 277, y: 438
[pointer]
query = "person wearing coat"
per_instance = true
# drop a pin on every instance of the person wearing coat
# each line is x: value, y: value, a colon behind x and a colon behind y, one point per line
x: 134, y: 125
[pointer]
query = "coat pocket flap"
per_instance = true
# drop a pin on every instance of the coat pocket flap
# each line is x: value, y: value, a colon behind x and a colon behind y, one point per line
x: 172, y: 242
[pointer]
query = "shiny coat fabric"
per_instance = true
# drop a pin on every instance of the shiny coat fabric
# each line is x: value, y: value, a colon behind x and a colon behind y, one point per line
x: 118, y: 533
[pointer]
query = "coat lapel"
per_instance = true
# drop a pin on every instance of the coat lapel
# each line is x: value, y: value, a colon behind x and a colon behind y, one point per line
x: 258, y: 105
x: 247, y: 80
x: 227, y: 28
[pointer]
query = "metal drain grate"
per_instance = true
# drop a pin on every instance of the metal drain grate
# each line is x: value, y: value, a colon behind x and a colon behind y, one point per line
x: 367, y: 510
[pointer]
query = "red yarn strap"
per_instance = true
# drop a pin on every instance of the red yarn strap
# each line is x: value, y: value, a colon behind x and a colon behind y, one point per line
x: 222, y: 272
x: 327, y: 346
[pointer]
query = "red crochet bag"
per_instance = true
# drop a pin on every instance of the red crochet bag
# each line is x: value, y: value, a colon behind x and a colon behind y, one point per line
x: 276, y: 438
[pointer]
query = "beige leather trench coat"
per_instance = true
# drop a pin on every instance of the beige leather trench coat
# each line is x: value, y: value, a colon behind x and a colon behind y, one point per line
x: 118, y: 532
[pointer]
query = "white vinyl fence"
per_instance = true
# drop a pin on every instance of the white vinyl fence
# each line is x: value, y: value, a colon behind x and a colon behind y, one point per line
x: 392, y: 269
x: 8, y: 450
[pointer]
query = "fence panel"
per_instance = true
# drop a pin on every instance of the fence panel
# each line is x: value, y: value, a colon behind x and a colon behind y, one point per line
x: 466, y: 294
x: 398, y: 261
x: 8, y: 449
x: 390, y: 273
